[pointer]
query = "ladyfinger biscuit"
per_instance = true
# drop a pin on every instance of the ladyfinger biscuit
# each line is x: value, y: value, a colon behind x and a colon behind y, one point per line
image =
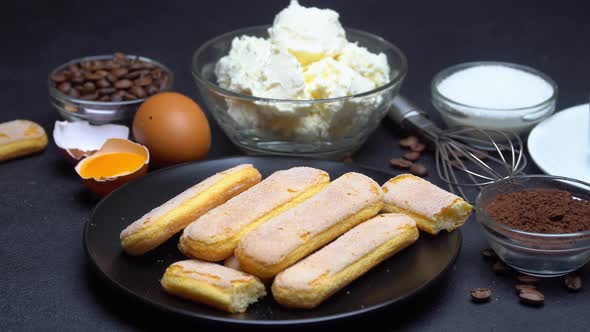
x: 20, y: 138
x: 163, y: 222
x: 292, y: 235
x: 212, y: 284
x: 215, y: 235
x: 433, y: 208
x: 323, y: 273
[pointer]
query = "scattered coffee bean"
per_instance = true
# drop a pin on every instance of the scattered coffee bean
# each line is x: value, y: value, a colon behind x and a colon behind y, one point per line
x: 531, y: 297
x: 418, y: 169
x: 481, y: 295
x: 521, y: 287
x: 96, y: 79
x: 400, y: 163
x: 501, y: 268
x: 456, y: 153
x: 418, y: 147
x: 573, y: 282
x: 489, y: 254
x: 527, y: 279
x: 412, y: 155
x: 408, y: 141
x: 481, y: 155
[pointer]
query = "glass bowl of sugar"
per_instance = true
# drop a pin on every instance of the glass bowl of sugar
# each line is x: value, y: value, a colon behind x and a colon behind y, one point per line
x: 493, y: 95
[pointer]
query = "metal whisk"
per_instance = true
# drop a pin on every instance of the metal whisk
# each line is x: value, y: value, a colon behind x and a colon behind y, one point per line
x: 480, y: 156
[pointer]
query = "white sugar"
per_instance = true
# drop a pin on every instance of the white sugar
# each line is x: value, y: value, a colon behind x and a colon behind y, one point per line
x: 496, y: 87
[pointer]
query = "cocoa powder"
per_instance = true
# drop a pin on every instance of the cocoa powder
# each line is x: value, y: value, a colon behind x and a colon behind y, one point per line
x: 549, y: 211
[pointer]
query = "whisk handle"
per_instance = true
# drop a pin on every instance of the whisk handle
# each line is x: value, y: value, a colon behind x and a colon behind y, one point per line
x: 411, y: 117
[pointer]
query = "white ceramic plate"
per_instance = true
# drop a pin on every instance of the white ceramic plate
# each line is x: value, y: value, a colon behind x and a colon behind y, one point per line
x: 560, y: 145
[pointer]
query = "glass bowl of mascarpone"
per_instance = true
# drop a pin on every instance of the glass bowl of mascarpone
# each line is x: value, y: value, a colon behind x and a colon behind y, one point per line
x: 304, y: 86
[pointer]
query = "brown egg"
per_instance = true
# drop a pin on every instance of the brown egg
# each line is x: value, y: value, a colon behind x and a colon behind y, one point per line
x: 173, y: 127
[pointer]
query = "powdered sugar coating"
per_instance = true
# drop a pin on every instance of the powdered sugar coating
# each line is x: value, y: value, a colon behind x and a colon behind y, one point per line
x: 344, y: 251
x: 252, y: 204
x: 191, y: 192
x: 278, y: 237
x: 214, y: 274
x: 17, y: 130
x: 417, y: 195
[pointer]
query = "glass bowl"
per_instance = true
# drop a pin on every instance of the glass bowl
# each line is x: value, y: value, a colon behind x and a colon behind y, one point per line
x: 255, y: 125
x: 98, y: 112
x: 538, y: 254
x: 516, y: 120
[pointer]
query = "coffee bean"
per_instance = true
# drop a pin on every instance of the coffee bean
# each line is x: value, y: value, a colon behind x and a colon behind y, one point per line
x: 79, y: 87
x: 103, y: 73
x: 500, y: 268
x: 400, y: 163
x: 456, y: 153
x: 408, y: 141
x: 73, y: 68
x: 527, y: 279
x: 64, y: 87
x: 412, y: 156
x: 106, y: 91
x: 573, y: 282
x: 97, y: 65
x: 143, y: 81
x: 119, y: 72
x: 90, y: 96
x: 77, y: 78
x: 133, y: 75
x: 73, y: 93
x: 119, y: 56
x: 163, y: 82
x: 489, y: 254
x: 103, y: 83
x: 531, y: 297
x: 152, y: 90
x: 136, y: 66
x: 156, y: 73
x: 111, y: 78
x: 117, y: 96
x: 85, y: 64
x: 123, y: 84
x: 138, y: 91
x: 418, y: 169
x: 418, y: 147
x: 92, y: 77
x: 481, y: 295
x: 89, y: 87
x: 58, y: 77
x: 521, y: 287
x: 104, y: 98
x: 129, y: 96
x: 481, y: 155
x: 110, y: 65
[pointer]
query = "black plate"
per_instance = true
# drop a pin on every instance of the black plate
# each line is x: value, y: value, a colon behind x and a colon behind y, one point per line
x: 396, y: 279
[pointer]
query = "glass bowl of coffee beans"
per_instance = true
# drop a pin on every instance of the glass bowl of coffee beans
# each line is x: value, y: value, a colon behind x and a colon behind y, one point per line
x: 537, y: 224
x: 106, y: 88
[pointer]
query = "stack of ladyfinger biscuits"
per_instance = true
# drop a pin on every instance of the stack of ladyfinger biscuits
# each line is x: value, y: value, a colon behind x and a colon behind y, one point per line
x: 305, y: 235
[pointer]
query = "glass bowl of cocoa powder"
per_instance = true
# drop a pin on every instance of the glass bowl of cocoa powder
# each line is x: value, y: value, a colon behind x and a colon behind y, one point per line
x: 537, y: 224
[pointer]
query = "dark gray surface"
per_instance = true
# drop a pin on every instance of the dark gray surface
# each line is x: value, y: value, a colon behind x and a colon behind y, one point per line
x: 46, y: 283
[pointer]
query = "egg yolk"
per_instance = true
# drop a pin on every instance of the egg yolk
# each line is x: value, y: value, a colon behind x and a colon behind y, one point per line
x: 112, y: 164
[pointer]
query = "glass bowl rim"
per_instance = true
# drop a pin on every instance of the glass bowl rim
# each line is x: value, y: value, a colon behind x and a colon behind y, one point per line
x: 54, y: 92
x: 403, y: 69
x: 497, y: 225
x: 441, y: 75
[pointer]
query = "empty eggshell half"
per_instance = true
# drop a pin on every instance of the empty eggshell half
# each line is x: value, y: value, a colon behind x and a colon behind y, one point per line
x: 80, y: 139
x: 118, y: 161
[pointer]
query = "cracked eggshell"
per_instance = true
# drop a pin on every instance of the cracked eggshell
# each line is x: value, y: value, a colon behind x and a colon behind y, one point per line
x: 80, y: 139
x: 104, y: 185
